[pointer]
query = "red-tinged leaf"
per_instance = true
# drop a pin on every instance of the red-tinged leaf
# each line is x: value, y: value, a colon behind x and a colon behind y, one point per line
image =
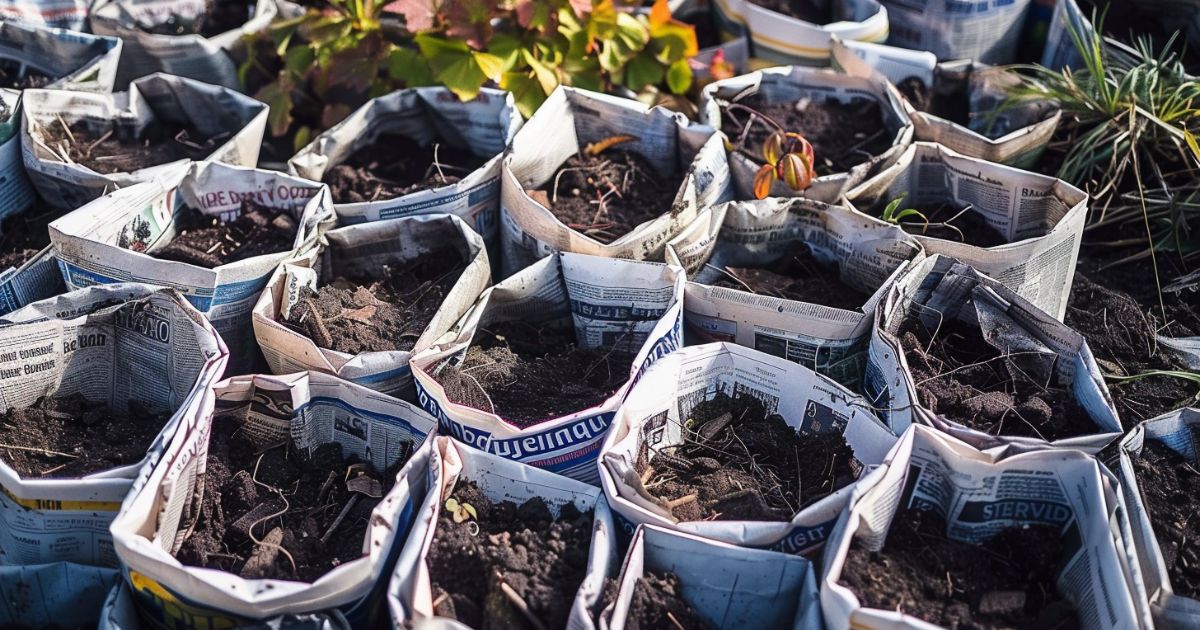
x: 278, y: 96
x: 763, y: 180
x: 772, y: 148
x: 581, y: 7
x: 660, y: 13
x: 795, y: 171
x: 419, y: 15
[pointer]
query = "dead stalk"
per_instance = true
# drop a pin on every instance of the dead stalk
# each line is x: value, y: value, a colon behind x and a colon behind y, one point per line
x: 519, y: 602
x: 43, y: 451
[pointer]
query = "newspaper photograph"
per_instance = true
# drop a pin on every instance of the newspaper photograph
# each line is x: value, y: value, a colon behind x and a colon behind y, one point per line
x: 358, y: 252
x: 128, y: 346
x: 725, y: 585
x: 64, y: 59
x: 985, y: 32
x: 1039, y: 218
x: 719, y: 305
x: 608, y: 303
x: 306, y: 410
x: 981, y: 495
x: 567, y: 123
x: 411, y: 596
x: 941, y: 293
x: 230, y: 122
x: 788, y: 84
x: 656, y: 417
x: 118, y: 237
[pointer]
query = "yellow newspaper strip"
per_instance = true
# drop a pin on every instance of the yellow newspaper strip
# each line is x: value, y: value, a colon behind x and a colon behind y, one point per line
x: 55, y: 505
x: 780, y: 45
x: 172, y: 613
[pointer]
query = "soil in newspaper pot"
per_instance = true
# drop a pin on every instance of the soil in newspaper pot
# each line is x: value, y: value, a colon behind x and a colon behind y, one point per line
x: 370, y: 296
x: 79, y: 146
x: 1020, y: 227
x: 34, y: 56
x: 28, y: 271
x: 830, y: 130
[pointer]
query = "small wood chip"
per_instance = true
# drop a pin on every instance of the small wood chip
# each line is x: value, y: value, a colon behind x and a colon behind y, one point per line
x: 1001, y: 602
x: 262, y: 562
x: 713, y: 427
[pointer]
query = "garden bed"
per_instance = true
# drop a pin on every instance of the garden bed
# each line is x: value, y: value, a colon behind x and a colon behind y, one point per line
x: 394, y: 165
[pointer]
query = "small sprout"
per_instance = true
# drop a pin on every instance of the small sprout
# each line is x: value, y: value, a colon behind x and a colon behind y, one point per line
x: 789, y: 157
x: 460, y: 511
x: 892, y: 212
x: 600, y: 146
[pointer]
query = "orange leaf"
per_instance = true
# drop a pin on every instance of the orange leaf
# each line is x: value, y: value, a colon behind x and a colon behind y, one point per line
x: 773, y: 148
x: 795, y: 172
x: 363, y: 314
x: 763, y: 179
x: 660, y: 13
x: 600, y: 146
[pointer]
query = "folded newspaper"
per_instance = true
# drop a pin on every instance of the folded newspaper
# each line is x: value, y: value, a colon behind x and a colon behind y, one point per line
x: 940, y: 298
x: 64, y: 14
x: 57, y: 58
x: 118, y: 236
x: 55, y: 595
x: 566, y: 124
x: 446, y: 463
x: 1036, y: 219
x: 309, y: 409
x: 652, y: 421
x: 122, y: 345
x: 725, y: 586
x: 788, y: 84
x: 483, y: 126
x: 780, y: 38
x: 987, y: 32
x: 609, y: 303
x: 187, y: 38
x: 755, y: 237
x: 361, y: 253
x: 229, y: 122
x: 16, y: 191
x: 980, y: 494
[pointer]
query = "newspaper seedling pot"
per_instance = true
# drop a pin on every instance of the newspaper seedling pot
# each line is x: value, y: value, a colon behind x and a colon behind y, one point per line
x: 712, y: 584
x: 61, y: 594
x: 1062, y: 506
x: 605, y: 176
x: 856, y: 125
x: 33, y: 56
x: 232, y: 463
x: 702, y: 446
x: 381, y: 292
x: 795, y: 278
x: 1039, y: 219
x: 498, y: 542
x: 65, y: 472
x: 356, y: 157
x: 784, y: 38
x: 536, y: 369
x: 15, y: 186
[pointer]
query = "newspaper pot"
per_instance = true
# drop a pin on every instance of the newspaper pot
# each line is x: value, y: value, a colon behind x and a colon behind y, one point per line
x: 1015, y: 135
x: 1174, y: 431
x: 940, y: 291
x: 194, y: 56
x: 589, y: 294
x: 360, y: 251
x: 758, y: 234
x: 987, y: 33
x: 157, y: 99
x: 309, y: 409
x: 118, y: 344
x: 15, y: 189
x: 790, y: 84
x: 68, y: 59
x: 564, y: 125
x: 1041, y: 218
x: 484, y: 126
x: 55, y: 595
x: 120, y: 613
x: 784, y: 39
x: 410, y: 595
x: 724, y: 585
x: 652, y: 418
x: 89, y: 242
x: 990, y: 491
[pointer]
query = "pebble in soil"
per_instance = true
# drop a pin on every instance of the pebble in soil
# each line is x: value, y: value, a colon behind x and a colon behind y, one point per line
x: 206, y: 241
x: 658, y: 603
x: 289, y: 501
x: 961, y: 377
x: 394, y: 165
x: 740, y: 462
x: 72, y: 437
x: 1007, y: 582
x: 116, y: 151
x: 949, y: 222
x: 1170, y: 486
x: 607, y: 194
x: 378, y: 314
x: 528, y: 373
x: 23, y: 235
x: 843, y: 135
x: 796, y: 275
x: 540, y: 558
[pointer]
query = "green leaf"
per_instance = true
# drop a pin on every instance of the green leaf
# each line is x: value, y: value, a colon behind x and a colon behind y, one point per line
x: 299, y: 59
x: 407, y: 65
x: 679, y: 76
x: 526, y: 91
x: 462, y: 70
x: 643, y: 70
x: 544, y: 75
x: 303, y: 137
x: 278, y: 96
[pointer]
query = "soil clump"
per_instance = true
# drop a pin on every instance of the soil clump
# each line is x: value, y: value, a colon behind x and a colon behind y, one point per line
x: 658, y: 603
x: 394, y: 165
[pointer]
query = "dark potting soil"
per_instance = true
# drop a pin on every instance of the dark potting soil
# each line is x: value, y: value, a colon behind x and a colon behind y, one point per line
x: 949, y: 222
x: 1007, y: 582
x: 73, y: 437
x: 1170, y: 486
x: 107, y: 153
x: 796, y: 275
x: 23, y: 235
x: 287, y: 501
x: 960, y: 376
x: 658, y: 603
x: 607, y: 195
x: 219, y: 17
x: 205, y: 241
x: 843, y: 135
x: 955, y: 106
x: 12, y: 77
x: 378, y: 314
x: 394, y: 165
x: 740, y: 462
x: 528, y: 374
x: 806, y: 10
x: 540, y: 558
